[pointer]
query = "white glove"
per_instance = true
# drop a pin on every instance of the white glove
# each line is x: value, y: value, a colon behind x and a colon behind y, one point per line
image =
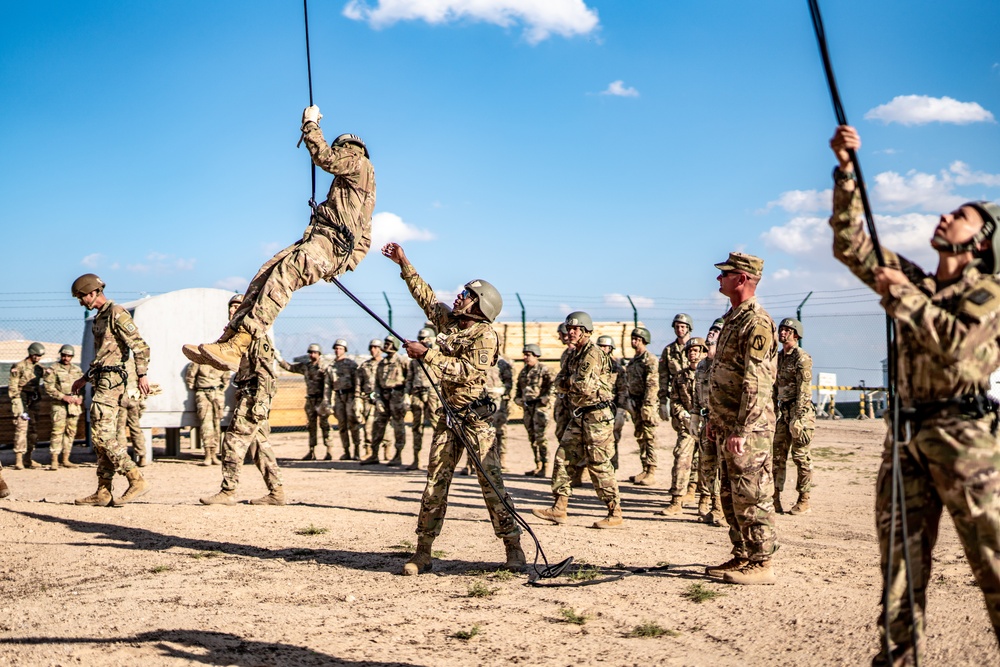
x: 311, y: 114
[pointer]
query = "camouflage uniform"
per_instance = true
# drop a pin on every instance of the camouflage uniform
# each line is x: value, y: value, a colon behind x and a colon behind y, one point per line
x: 672, y: 360
x: 390, y: 386
x: 534, y: 392
x: 621, y: 403
x: 249, y: 426
x: 132, y: 406
x: 499, y: 382
x: 681, y: 409
x: 464, y: 357
x: 562, y: 409
x: 793, y: 397
x: 25, y: 394
x: 315, y: 376
x: 58, y: 384
x: 371, y: 405
x: 947, y: 337
x: 114, y: 335
x: 741, y: 382
x: 708, y: 470
x: 642, y: 383
x: 209, y: 387
x: 337, y: 239
x: 424, y: 404
x: 342, y: 381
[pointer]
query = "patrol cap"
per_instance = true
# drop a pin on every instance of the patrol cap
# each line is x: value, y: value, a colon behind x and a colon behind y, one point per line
x: 315, y: 348
x: 36, y: 349
x: 643, y: 333
x: 86, y: 284
x: 67, y: 349
x: 695, y: 342
x: 341, y: 342
x: 793, y: 324
x: 391, y: 343
x: 533, y: 348
x: 738, y: 261
x: 578, y: 318
x: 683, y: 318
x: 375, y: 342
x: 606, y: 341
x: 351, y: 139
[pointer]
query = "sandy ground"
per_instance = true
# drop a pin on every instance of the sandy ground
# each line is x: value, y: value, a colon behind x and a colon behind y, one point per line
x: 167, y: 581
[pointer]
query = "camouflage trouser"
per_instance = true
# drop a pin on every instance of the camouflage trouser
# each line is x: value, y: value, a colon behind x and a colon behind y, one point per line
x: 394, y: 412
x: 561, y: 413
x: 315, y: 422
x: 683, y: 455
x: 645, y: 435
x: 445, y: 451
x: 129, y: 413
x: 348, y: 422
x: 209, y: 404
x: 536, y: 418
x: 303, y: 263
x: 26, y: 431
x: 367, y: 418
x: 244, y: 432
x: 500, y: 418
x: 951, y: 462
x: 708, y: 468
x: 783, y: 442
x: 424, y: 404
x: 65, y: 420
x: 747, y: 488
x: 112, y: 455
x: 588, y: 440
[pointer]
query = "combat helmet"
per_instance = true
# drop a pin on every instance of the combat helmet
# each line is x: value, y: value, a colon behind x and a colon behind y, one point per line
x: 532, y: 348
x: 717, y: 324
x: 695, y: 342
x: 86, y: 284
x: 341, y: 342
x: 36, y: 349
x: 487, y: 298
x: 793, y: 324
x: 643, y: 334
x: 375, y: 342
x: 391, y: 344
x: 315, y: 348
x: 991, y: 219
x: 352, y: 139
x: 67, y: 349
x: 426, y: 334
x: 578, y: 318
x: 235, y: 300
x: 606, y: 341
x: 562, y: 330
x: 683, y: 318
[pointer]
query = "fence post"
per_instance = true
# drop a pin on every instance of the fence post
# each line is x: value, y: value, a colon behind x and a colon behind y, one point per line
x: 524, y: 322
x: 386, y: 297
x: 635, y: 313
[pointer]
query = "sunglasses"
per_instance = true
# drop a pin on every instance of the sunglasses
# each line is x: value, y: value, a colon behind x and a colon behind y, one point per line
x: 465, y: 294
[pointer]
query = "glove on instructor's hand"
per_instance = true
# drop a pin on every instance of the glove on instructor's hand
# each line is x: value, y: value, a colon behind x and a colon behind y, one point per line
x: 311, y: 114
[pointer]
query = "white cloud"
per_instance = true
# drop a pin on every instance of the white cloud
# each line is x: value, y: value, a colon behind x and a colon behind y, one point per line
x: 921, y: 109
x: 271, y: 248
x: 781, y: 274
x: 619, y: 89
x: 801, y: 201
x: 93, y: 260
x: 388, y: 227
x: 621, y: 300
x: 232, y: 284
x: 799, y: 236
x: 565, y: 309
x: 157, y: 262
x: 929, y: 192
x: 540, y: 18
x: 965, y: 176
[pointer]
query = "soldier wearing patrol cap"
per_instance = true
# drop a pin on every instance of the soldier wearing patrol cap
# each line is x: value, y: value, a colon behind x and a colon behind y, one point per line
x: 741, y: 419
x: 25, y: 391
x: 796, y: 415
x: 369, y: 405
x: 534, y: 394
x: 642, y: 384
x: 342, y: 392
x: 422, y: 400
x: 390, y: 388
x: 317, y: 418
x: 115, y: 335
x: 66, y: 406
x: 467, y: 346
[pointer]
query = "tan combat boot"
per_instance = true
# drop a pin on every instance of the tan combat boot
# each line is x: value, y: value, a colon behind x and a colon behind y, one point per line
x: 346, y: 456
x: 802, y: 506
x: 420, y: 561
x: 216, y: 461
x: 275, y: 497
x: 310, y: 455
x: 544, y: 472
x: 648, y: 478
x: 18, y: 461
x: 54, y: 463
x: 715, y: 517
x: 614, y: 517
x: 691, y: 496
x: 194, y: 354
x: 731, y: 565
x: 516, y: 562
x: 675, y: 507
x: 577, y: 480
x: 416, y: 461
x: 64, y: 460
x: 329, y: 455
x: 30, y: 462
x: 102, y: 497
x: 137, y: 486
x: 704, y: 505
x: 356, y: 456
x: 396, y: 460
x: 141, y: 460
x: 777, y: 503
x: 206, y: 459
x: 371, y: 460
x: 223, y: 497
x: 635, y: 479
x: 557, y: 513
x: 753, y: 573
x: 225, y: 356
x: 4, y: 489
x: 534, y: 471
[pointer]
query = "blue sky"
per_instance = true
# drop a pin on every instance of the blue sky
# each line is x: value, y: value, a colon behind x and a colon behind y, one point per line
x: 572, y: 151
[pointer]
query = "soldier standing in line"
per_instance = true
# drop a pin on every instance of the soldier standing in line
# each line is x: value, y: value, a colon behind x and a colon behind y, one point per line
x: 672, y: 360
x: 115, y: 336
x: 250, y: 428
x: 741, y: 419
x: 25, y: 391
x: 561, y: 410
x: 682, y: 404
x: 370, y: 404
x: 424, y: 402
x: 708, y: 470
x: 209, y: 387
x: 342, y: 381
x: 132, y: 406
x: 390, y: 387
x: 947, y: 329
x: 534, y: 395
x: 796, y: 416
x: 589, y: 385
x: 468, y: 347
x: 66, y: 406
x: 607, y: 345
x: 642, y: 384
x: 337, y: 239
x: 314, y: 371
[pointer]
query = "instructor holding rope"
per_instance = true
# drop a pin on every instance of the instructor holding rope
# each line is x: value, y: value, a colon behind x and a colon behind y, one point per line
x: 467, y: 347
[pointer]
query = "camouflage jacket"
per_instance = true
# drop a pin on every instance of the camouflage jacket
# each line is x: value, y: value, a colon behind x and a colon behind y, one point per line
x: 534, y: 383
x: 741, y: 382
x: 351, y: 199
x: 314, y: 373
x: 366, y: 377
x: 682, y: 392
x: 621, y: 386
x: 342, y: 377
x: 25, y: 381
x: 587, y: 378
x: 391, y: 373
x: 701, y: 374
x: 463, y: 356
x: 672, y: 360
x: 256, y: 380
x: 793, y: 390
x: 417, y: 380
x: 642, y: 380
x: 947, y: 334
x: 59, y: 379
x: 114, y: 335
x: 202, y: 377
x: 500, y: 379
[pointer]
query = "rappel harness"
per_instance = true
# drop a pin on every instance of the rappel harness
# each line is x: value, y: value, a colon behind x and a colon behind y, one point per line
x: 898, y: 502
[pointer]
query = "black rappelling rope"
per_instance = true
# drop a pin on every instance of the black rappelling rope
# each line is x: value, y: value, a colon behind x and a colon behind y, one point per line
x: 898, y: 502
x: 305, y: 12
x: 454, y: 422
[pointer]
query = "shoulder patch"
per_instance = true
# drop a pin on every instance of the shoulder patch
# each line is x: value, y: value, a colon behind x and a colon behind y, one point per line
x: 760, y: 339
x: 484, y: 358
x: 982, y: 301
x: 981, y: 296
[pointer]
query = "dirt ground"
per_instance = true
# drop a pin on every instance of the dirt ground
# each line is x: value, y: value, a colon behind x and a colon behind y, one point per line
x: 167, y: 581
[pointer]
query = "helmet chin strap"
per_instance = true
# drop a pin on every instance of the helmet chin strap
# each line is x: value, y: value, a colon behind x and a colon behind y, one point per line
x: 972, y: 245
x: 469, y: 312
